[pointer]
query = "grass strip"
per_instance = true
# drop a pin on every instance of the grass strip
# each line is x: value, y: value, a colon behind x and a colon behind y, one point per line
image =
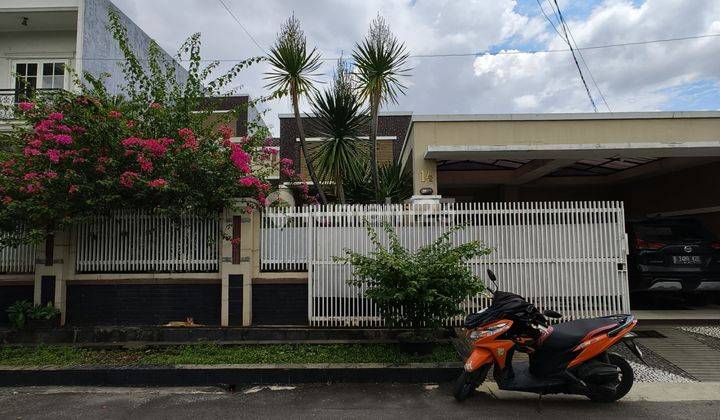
x: 213, y: 354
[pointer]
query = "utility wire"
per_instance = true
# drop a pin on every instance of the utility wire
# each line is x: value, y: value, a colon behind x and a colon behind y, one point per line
x: 572, y: 51
x: 582, y: 58
x: 243, y: 27
x: 450, y: 55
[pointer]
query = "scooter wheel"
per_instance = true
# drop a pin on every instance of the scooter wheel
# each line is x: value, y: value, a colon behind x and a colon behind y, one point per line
x: 627, y: 378
x: 466, y: 384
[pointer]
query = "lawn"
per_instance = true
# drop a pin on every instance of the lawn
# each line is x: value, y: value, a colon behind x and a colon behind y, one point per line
x: 214, y: 354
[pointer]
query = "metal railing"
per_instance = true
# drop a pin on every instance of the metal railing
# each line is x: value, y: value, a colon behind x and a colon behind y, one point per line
x: 136, y: 242
x: 11, y: 97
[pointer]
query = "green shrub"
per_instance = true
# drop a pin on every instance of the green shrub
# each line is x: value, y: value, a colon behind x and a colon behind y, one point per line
x: 22, y: 310
x: 428, y: 284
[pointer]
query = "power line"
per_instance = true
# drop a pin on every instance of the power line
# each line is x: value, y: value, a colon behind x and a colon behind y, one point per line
x: 582, y: 58
x: 572, y: 51
x: 450, y: 55
x: 242, y: 26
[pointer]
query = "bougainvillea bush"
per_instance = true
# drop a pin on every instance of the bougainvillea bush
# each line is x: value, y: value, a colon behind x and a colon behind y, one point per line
x: 153, y: 147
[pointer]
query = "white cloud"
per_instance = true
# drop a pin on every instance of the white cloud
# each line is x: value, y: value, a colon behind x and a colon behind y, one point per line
x: 632, y: 78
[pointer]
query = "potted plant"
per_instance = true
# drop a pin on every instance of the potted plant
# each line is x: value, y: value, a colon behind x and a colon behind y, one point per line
x: 416, y: 289
x: 24, y: 315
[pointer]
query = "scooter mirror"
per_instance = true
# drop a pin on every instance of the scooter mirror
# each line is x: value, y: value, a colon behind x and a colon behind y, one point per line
x: 491, y: 275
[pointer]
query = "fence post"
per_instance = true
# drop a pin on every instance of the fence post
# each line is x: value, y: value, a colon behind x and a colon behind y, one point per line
x: 238, y: 261
x: 54, y: 260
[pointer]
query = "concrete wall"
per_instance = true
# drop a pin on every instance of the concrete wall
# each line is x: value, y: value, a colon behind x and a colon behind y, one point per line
x: 33, y: 45
x: 99, y: 47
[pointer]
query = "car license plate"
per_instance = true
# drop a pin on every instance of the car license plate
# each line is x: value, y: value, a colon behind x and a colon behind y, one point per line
x: 687, y: 259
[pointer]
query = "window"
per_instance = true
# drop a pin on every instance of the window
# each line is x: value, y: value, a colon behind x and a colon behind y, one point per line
x: 40, y: 75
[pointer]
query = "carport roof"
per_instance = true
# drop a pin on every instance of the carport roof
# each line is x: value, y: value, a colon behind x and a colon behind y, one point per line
x: 566, y: 116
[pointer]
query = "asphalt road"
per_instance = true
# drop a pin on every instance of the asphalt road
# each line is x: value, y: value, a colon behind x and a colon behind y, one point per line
x: 356, y: 401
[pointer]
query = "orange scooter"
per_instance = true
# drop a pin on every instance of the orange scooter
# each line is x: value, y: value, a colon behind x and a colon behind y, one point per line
x: 565, y: 358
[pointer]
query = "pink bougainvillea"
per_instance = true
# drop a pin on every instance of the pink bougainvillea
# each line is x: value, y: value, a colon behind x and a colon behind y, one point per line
x: 157, y: 183
x: 114, y: 114
x: 127, y: 179
x: 26, y: 106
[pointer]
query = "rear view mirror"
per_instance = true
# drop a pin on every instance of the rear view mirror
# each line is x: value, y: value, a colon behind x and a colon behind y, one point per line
x: 491, y: 275
x: 549, y: 313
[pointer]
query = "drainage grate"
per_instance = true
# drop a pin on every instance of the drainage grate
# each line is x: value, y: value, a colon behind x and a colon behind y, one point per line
x: 649, y: 334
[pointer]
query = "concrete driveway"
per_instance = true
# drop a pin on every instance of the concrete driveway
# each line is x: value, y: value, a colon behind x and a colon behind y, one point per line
x: 356, y: 401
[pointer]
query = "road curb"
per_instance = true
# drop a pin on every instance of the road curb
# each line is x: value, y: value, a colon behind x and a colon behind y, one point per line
x: 226, y: 375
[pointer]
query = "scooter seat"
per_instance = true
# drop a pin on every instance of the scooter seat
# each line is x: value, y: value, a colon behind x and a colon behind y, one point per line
x: 555, y: 349
x: 570, y: 334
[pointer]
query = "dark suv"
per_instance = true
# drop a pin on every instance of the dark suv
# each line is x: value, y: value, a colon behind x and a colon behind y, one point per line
x: 673, y: 255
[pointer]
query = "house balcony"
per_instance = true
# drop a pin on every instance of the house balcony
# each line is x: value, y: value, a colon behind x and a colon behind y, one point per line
x: 11, y: 97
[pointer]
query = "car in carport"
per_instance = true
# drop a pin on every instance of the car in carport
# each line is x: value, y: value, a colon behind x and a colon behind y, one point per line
x: 672, y: 255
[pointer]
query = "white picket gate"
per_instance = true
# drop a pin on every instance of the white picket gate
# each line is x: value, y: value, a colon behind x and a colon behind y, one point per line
x: 132, y: 241
x: 567, y: 256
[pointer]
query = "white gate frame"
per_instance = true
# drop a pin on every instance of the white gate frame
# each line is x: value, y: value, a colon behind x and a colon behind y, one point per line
x: 567, y: 256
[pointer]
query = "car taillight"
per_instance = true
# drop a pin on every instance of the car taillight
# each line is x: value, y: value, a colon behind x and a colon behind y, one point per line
x: 715, y: 245
x: 642, y: 244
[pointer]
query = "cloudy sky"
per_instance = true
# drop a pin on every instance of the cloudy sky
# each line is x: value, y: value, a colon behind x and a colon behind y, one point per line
x: 681, y: 75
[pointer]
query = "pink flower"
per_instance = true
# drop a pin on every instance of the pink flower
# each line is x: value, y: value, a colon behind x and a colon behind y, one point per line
x: 26, y: 106
x: 114, y: 114
x: 240, y: 159
x: 131, y: 141
x: 157, y: 183
x: 63, y: 139
x: 64, y: 128
x: 53, y: 155
x: 286, y: 162
x: 235, y: 240
x: 77, y: 160
x: 7, y: 200
x: 36, y: 143
x: 50, y: 174
x: 57, y: 116
x: 30, y: 175
x: 271, y: 151
x: 130, y: 123
x: 248, y: 181
x: 146, y: 164
x: 155, y: 105
x: 73, y: 189
x: 127, y: 179
x: 190, y: 142
x: 226, y: 132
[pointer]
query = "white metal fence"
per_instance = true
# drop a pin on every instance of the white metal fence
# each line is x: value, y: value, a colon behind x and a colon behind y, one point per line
x: 283, y: 235
x: 567, y: 256
x: 131, y: 241
x: 17, y: 260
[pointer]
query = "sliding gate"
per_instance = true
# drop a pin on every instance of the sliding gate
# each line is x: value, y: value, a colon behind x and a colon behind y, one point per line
x: 567, y: 256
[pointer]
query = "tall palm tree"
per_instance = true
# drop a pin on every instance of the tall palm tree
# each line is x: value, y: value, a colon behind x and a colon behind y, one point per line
x: 380, y: 62
x: 293, y: 72
x: 340, y: 120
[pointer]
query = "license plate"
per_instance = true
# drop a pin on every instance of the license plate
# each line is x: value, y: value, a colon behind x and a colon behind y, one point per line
x: 686, y: 259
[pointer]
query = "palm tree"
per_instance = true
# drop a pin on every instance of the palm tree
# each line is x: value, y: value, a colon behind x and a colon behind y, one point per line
x: 340, y: 120
x: 293, y: 72
x: 380, y: 62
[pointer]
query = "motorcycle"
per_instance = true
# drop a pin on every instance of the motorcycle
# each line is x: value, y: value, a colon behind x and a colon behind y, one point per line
x: 565, y: 358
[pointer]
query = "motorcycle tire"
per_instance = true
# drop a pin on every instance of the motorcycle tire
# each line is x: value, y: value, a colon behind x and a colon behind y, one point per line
x: 626, y: 380
x: 466, y: 384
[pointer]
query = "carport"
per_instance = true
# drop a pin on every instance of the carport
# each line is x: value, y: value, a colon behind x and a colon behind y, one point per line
x: 659, y: 164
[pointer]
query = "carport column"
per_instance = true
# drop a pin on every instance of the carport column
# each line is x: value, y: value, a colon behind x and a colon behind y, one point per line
x: 424, y: 172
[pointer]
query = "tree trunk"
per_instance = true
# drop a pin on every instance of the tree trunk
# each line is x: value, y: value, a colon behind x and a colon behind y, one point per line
x: 340, y: 189
x: 303, y: 146
x: 374, y: 111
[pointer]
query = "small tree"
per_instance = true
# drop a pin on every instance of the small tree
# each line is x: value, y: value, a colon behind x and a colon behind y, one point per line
x: 419, y: 289
x: 380, y: 63
x: 340, y: 121
x: 293, y: 72
x: 155, y: 147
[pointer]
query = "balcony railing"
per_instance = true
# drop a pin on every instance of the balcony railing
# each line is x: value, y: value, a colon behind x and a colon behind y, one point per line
x: 10, y: 97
